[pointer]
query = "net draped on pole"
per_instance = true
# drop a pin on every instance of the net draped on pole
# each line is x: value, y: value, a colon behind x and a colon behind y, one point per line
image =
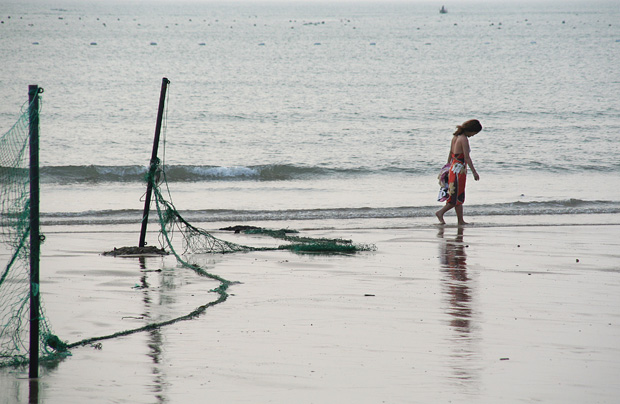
x: 15, y: 246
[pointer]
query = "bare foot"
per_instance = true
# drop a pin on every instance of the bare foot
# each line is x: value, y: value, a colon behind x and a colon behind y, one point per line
x: 464, y: 223
x: 440, y: 217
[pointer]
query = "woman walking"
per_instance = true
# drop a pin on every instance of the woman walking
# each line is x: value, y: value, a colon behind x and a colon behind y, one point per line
x: 459, y: 159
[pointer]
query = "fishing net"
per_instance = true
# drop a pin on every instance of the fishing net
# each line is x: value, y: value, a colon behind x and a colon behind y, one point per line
x: 15, y: 252
x: 14, y: 234
x: 195, y: 240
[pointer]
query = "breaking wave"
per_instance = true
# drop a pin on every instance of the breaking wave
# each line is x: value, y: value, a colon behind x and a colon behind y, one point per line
x: 185, y: 173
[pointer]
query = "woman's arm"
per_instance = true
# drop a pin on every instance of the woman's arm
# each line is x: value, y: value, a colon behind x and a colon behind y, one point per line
x: 468, y: 161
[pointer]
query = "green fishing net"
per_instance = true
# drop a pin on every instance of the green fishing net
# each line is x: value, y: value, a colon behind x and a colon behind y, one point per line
x: 195, y: 240
x: 14, y: 239
x: 15, y: 252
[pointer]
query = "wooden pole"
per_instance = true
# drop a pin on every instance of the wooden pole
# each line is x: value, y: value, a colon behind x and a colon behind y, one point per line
x: 153, y: 166
x: 35, y: 241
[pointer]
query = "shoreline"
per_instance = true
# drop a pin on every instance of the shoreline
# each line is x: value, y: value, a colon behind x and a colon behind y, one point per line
x: 398, y: 223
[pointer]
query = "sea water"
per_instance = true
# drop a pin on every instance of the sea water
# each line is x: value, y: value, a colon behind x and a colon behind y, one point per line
x: 304, y: 110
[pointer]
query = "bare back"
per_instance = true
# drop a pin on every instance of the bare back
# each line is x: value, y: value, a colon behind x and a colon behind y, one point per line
x: 459, y: 145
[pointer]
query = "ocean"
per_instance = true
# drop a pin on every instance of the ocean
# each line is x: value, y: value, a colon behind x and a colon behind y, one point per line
x: 319, y: 111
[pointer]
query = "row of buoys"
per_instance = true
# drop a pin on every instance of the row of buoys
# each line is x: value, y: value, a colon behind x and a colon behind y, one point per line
x: 315, y: 44
x: 204, y: 43
x: 499, y: 25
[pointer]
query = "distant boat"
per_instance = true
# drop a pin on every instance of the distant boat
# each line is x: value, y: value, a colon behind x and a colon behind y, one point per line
x: 443, y: 10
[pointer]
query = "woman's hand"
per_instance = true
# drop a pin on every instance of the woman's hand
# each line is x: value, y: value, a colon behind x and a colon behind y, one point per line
x: 476, y: 176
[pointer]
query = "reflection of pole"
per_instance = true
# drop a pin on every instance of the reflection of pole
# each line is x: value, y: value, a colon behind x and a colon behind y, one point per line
x: 35, y: 247
x: 153, y: 166
x: 33, y: 394
x: 155, y: 343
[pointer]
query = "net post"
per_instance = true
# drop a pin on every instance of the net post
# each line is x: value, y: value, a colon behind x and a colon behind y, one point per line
x: 153, y: 165
x: 35, y: 241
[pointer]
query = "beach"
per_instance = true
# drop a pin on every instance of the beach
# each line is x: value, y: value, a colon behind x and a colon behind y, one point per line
x: 332, y: 120
x: 505, y: 313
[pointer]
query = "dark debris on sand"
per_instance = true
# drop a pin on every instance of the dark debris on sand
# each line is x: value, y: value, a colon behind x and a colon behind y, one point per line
x: 128, y: 251
x: 240, y: 228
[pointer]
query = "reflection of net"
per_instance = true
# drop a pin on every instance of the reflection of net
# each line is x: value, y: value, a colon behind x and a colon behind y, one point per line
x: 15, y: 243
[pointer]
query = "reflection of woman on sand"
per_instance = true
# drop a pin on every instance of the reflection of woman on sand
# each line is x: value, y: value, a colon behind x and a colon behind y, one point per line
x: 453, y: 261
x: 459, y: 159
x: 457, y: 287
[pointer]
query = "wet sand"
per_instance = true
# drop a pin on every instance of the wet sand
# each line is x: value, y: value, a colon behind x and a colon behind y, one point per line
x: 506, y: 313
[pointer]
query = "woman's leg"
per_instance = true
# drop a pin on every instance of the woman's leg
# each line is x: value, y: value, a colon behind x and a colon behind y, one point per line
x: 459, y: 214
x: 442, y: 211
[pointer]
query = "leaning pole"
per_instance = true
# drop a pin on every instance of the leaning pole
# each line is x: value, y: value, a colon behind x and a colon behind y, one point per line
x: 154, y: 162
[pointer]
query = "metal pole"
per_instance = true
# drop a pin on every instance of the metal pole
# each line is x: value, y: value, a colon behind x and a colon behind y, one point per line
x: 35, y: 247
x: 153, y: 166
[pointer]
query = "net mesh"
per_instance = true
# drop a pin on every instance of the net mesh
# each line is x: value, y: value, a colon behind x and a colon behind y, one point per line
x: 15, y: 252
x: 14, y: 244
x: 195, y: 240
x: 200, y: 241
